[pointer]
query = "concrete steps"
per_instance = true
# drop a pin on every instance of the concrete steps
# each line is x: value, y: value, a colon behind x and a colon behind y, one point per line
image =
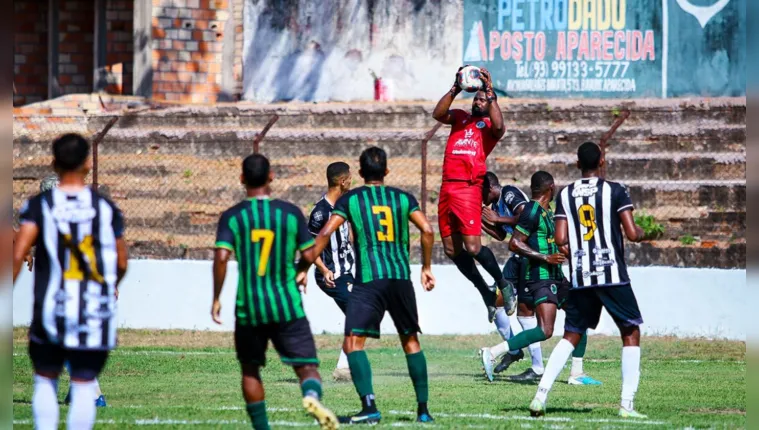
x: 175, y: 169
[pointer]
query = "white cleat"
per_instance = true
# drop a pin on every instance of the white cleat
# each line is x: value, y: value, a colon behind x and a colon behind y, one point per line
x: 488, y: 361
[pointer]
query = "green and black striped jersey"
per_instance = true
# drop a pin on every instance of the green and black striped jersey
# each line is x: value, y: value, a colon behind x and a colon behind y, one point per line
x: 379, y: 217
x: 265, y: 236
x: 538, y: 225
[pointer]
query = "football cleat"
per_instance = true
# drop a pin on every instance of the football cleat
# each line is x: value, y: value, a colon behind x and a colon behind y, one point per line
x: 528, y: 375
x: 487, y: 362
x: 624, y: 413
x: 509, y: 297
x: 327, y: 419
x: 100, y: 402
x: 491, y: 313
x: 424, y: 418
x: 507, y: 361
x: 582, y: 379
x: 370, y: 418
x: 537, y: 408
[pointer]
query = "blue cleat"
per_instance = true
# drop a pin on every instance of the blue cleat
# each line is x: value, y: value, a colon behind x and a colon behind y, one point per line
x: 424, y: 417
x: 582, y: 380
x: 100, y: 402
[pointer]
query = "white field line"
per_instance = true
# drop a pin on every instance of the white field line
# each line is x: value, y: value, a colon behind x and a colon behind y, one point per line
x: 555, y: 421
x: 589, y: 360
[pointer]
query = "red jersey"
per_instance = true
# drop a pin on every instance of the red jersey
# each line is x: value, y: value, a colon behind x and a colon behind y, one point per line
x: 468, y: 146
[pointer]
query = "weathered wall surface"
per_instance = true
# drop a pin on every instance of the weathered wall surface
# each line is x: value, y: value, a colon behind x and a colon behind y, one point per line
x: 317, y: 51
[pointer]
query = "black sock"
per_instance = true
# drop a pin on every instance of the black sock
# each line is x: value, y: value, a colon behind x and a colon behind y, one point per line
x: 368, y: 405
x: 487, y: 260
x: 422, y: 408
x: 465, y: 263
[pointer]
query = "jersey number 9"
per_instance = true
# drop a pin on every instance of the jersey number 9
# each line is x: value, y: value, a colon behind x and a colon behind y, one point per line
x: 385, y: 220
x: 267, y: 239
x: 587, y: 215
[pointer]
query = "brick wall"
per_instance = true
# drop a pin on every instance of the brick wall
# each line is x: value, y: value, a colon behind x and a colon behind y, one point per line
x: 30, y: 51
x: 119, y: 46
x: 187, y: 49
x: 76, y: 26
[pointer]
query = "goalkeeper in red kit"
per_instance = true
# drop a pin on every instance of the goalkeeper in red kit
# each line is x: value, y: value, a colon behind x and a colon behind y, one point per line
x: 473, y: 137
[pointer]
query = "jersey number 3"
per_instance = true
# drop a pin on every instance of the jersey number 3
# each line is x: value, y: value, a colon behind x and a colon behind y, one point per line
x: 587, y: 215
x: 385, y: 220
x: 267, y: 239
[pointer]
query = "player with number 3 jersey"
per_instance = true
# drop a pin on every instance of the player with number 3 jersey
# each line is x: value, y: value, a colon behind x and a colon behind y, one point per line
x: 379, y: 216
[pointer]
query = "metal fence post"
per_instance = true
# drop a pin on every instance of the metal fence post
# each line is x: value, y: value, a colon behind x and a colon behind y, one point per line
x: 95, y: 145
x: 426, y: 139
x: 604, y: 142
x: 260, y: 136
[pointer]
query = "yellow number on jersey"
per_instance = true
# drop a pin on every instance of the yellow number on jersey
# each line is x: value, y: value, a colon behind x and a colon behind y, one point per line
x: 74, y: 272
x: 386, y: 220
x: 267, y: 237
x: 587, y: 215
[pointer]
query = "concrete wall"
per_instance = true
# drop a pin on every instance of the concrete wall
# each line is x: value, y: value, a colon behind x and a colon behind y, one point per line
x: 177, y: 294
x: 316, y: 51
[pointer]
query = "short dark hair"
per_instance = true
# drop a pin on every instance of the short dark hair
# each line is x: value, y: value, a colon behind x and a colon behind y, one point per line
x: 373, y: 163
x: 70, y: 151
x: 335, y: 171
x: 491, y: 180
x: 540, y: 182
x: 589, y: 156
x: 255, y: 170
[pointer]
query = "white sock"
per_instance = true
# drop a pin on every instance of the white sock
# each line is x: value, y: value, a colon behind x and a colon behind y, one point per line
x: 82, y: 409
x: 630, y: 375
x: 536, y: 353
x: 576, y: 366
x: 45, y: 403
x: 342, y: 362
x: 500, y: 349
x: 556, y: 362
x: 503, y: 323
x: 98, y: 393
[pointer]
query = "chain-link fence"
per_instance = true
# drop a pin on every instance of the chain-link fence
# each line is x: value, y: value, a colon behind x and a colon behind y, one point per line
x: 173, y: 175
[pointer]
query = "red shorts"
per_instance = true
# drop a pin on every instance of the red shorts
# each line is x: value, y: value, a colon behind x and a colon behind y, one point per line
x: 460, y: 208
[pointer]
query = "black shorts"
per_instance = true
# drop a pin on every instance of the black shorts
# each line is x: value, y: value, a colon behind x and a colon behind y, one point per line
x: 84, y: 364
x: 341, y: 292
x: 368, y: 303
x: 550, y: 291
x: 515, y: 272
x: 584, y: 307
x: 292, y: 340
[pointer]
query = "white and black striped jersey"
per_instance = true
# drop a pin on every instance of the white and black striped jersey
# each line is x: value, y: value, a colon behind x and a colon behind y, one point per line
x: 511, y: 199
x: 591, y: 207
x: 75, y: 269
x: 338, y: 257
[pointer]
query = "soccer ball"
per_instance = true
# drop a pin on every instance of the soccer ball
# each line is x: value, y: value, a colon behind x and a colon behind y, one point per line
x: 469, y: 79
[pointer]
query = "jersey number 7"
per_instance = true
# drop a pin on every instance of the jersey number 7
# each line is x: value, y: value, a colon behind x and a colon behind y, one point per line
x: 267, y: 237
x: 587, y: 215
x: 385, y: 220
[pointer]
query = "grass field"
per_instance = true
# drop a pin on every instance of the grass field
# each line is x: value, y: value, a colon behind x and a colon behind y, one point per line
x: 185, y: 379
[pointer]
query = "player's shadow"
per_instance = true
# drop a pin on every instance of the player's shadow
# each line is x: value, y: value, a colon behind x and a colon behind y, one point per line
x: 550, y: 410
